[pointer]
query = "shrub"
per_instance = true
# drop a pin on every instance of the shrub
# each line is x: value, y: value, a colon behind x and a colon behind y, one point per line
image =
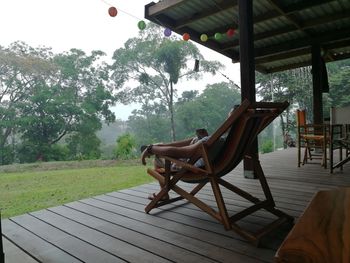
x: 125, y: 148
x: 267, y: 146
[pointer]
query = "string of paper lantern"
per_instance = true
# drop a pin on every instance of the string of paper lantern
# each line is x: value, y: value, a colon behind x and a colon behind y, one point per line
x: 113, y: 12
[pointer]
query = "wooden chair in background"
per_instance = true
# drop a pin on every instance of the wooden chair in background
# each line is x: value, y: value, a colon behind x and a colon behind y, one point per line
x: 339, y: 136
x: 313, y: 138
x: 239, y: 132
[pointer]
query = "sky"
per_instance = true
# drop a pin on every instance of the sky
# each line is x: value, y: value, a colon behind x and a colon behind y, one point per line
x: 86, y: 25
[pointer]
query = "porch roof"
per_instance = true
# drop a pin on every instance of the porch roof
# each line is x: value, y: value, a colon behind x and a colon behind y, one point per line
x: 284, y: 30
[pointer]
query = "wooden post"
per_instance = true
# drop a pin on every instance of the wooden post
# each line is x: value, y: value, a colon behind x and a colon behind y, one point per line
x: 246, y: 50
x: 317, y: 85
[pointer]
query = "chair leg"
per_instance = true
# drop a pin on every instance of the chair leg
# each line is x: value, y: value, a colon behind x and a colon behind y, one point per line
x: 220, y: 203
x: 309, y: 151
x: 306, y: 151
x: 197, y: 202
x: 157, y: 200
x: 331, y: 153
x: 261, y: 176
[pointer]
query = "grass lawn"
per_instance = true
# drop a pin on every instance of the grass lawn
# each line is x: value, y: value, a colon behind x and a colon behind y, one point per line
x: 31, y: 187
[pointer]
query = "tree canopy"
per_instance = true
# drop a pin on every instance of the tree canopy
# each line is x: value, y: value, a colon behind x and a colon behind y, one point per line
x: 46, y: 96
x: 146, y: 69
x: 192, y: 111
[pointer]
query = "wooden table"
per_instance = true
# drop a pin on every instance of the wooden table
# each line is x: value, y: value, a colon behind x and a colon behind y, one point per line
x: 322, y: 233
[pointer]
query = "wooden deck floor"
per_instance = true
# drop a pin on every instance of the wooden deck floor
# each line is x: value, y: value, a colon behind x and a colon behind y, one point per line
x: 114, y: 228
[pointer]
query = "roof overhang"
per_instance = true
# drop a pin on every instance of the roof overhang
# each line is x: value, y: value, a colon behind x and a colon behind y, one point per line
x: 284, y: 30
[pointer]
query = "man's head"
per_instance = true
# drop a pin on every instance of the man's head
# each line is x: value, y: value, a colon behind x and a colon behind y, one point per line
x: 201, y: 133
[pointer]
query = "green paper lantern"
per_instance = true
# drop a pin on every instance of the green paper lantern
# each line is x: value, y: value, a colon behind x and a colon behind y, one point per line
x: 141, y: 25
x: 218, y: 36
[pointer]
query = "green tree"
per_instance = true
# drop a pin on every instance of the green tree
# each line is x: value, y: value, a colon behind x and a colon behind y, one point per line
x: 56, y: 97
x: 193, y: 110
x: 20, y: 68
x: 208, y: 110
x: 339, y: 84
x: 150, y: 124
x: 149, y: 66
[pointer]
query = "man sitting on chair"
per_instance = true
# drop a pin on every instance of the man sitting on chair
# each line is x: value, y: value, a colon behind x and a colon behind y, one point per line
x: 185, y: 149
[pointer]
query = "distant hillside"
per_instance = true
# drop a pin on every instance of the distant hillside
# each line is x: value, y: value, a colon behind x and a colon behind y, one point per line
x: 109, y: 133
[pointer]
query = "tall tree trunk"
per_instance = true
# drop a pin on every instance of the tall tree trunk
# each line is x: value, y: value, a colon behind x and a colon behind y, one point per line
x: 171, y: 108
x: 284, y: 132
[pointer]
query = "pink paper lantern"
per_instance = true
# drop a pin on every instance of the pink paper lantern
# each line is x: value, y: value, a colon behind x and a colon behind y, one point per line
x: 230, y: 32
x: 112, y: 11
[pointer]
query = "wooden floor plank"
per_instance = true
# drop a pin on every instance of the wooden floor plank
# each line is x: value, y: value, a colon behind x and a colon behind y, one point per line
x: 39, y: 248
x: 161, y: 241
x: 65, y: 240
x: 193, y: 231
x: 129, y: 230
x: 15, y: 254
x: 111, y: 246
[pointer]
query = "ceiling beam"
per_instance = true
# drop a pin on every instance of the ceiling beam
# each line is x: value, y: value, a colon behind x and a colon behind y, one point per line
x: 302, y: 5
x: 294, y: 8
x: 290, y: 45
x: 328, y: 50
x: 283, y: 56
x: 279, y: 9
x: 154, y: 9
x: 300, y: 64
x: 290, y: 66
x: 342, y: 14
x: 219, y: 7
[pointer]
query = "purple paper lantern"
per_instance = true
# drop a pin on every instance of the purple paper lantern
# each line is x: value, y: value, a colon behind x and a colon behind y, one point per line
x: 167, y: 32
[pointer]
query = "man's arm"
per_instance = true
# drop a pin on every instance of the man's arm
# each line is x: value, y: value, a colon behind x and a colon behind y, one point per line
x: 181, y: 143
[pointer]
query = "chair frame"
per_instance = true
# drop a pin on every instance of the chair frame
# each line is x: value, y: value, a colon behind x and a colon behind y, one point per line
x: 340, y: 135
x: 212, y: 173
x: 311, y: 137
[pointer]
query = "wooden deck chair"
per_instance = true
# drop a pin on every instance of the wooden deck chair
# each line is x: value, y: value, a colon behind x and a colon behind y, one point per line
x: 313, y: 138
x: 340, y: 136
x: 234, y: 138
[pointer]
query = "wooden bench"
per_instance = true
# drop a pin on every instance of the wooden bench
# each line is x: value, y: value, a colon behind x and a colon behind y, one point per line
x: 322, y: 233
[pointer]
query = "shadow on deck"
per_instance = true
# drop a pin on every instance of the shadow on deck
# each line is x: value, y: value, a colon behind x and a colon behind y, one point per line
x: 114, y: 228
